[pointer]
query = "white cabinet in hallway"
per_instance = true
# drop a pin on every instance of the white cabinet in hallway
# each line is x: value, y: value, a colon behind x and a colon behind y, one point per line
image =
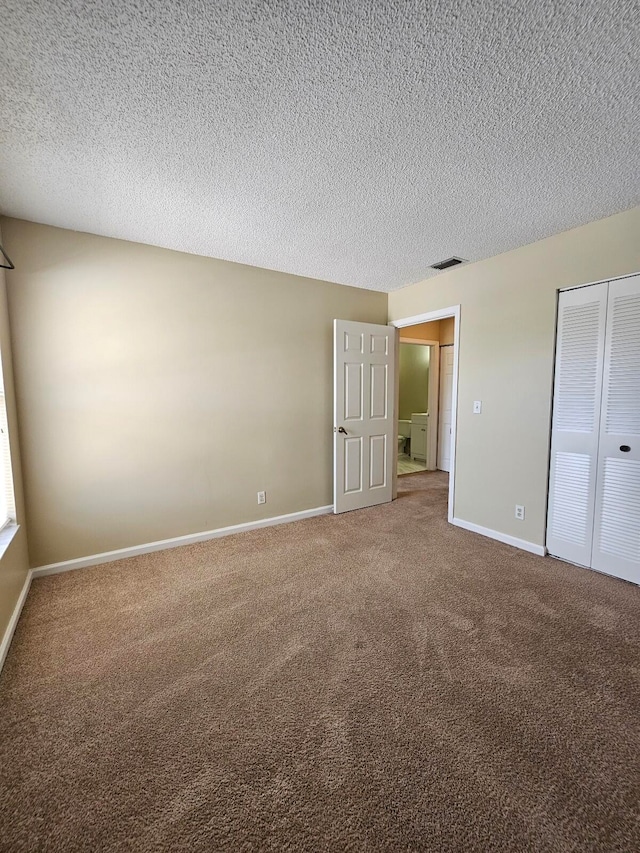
x: 419, y: 425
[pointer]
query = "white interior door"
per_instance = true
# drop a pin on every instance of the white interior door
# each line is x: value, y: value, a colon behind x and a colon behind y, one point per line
x: 445, y: 408
x: 364, y: 423
x: 616, y: 539
x: 575, y: 424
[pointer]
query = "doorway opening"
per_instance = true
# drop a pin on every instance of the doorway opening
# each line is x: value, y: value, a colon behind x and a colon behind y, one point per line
x: 417, y: 364
x: 427, y: 393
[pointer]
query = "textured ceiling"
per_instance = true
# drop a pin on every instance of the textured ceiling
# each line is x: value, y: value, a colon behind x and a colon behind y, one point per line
x: 356, y: 141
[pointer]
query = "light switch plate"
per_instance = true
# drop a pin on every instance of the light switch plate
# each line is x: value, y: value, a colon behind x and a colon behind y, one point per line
x: 477, y: 407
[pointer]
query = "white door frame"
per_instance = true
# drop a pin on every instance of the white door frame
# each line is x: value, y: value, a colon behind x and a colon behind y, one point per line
x: 441, y: 314
x: 433, y: 399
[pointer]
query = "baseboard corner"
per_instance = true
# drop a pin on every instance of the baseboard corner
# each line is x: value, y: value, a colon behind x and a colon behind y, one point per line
x: 505, y: 538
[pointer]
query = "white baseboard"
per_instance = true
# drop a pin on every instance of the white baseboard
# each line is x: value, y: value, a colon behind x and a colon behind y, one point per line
x: 540, y: 550
x: 11, y: 627
x: 163, y: 544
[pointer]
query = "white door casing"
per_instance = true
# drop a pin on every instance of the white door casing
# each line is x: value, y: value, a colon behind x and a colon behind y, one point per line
x: 616, y: 534
x: 575, y: 422
x: 445, y: 408
x: 439, y: 314
x: 364, y: 422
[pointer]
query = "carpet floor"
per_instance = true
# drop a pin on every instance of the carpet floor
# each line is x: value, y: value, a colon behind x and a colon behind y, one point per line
x: 378, y: 680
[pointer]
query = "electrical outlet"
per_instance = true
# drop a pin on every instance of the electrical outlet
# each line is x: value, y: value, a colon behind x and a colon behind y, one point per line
x: 519, y: 512
x: 477, y: 407
x: 262, y: 497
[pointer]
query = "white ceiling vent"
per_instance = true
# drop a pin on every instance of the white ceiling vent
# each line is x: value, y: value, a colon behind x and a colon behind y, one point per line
x: 450, y: 262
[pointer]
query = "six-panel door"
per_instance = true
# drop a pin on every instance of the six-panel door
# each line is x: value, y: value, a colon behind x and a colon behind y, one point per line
x: 364, y: 424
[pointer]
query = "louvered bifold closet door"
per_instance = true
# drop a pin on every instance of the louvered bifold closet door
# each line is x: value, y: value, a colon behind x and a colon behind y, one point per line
x: 616, y: 545
x: 575, y: 425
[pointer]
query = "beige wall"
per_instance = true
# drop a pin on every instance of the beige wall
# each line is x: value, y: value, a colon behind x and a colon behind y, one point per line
x: 447, y: 328
x: 414, y: 379
x: 422, y: 331
x: 14, y: 564
x: 507, y: 330
x: 435, y: 330
x: 159, y: 391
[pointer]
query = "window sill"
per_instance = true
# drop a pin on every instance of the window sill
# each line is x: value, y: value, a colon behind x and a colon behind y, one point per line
x: 6, y: 537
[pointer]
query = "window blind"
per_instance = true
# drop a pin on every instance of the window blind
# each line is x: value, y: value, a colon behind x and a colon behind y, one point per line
x: 7, y: 499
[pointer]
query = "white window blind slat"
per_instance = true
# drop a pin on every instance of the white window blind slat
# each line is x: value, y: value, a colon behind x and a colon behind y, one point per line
x: 7, y: 499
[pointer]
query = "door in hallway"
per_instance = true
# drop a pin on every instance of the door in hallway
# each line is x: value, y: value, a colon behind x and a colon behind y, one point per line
x: 445, y: 408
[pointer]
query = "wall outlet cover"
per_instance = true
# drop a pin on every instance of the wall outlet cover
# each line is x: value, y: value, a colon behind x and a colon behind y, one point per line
x: 519, y: 512
x: 262, y: 497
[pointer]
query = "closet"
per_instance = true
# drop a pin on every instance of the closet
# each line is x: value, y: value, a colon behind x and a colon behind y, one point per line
x: 594, y: 481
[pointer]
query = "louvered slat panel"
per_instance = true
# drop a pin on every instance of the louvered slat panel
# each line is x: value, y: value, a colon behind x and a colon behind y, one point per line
x: 570, y: 515
x: 576, y: 417
x: 623, y: 392
x: 616, y: 540
x: 620, y: 516
x: 576, y: 390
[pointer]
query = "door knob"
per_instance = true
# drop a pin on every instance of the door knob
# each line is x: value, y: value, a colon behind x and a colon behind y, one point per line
x: 342, y: 429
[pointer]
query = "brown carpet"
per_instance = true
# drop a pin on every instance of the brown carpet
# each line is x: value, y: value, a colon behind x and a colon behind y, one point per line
x: 374, y: 681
